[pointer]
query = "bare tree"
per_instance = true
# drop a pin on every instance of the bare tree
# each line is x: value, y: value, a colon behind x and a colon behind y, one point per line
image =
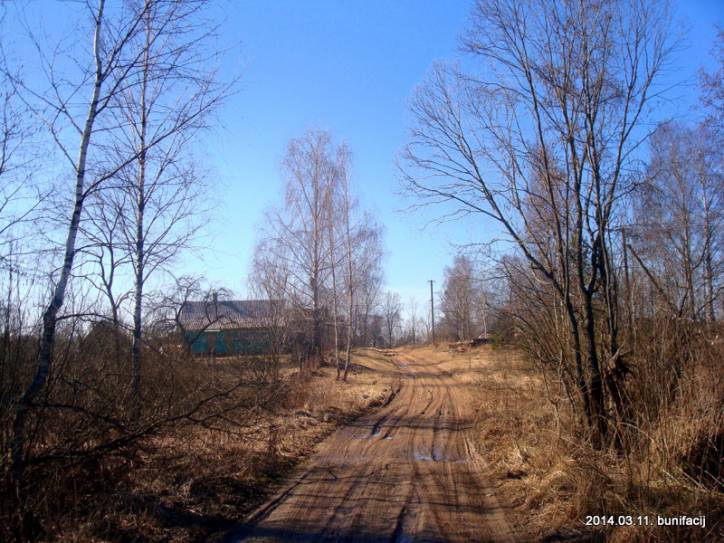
x: 270, y: 280
x: 17, y: 201
x: 298, y: 237
x: 169, y: 304
x: 123, y: 46
x: 326, y: 247
x: 107, y: 253
x: 334, y: 222
x: 713, y: 131
x: 113, y: 63
x: 391, y: 309
x: 679, y: 209
x: 10, y: 189
x: 362, y: 239
x: 459, y: 298
x: 351, y: 280
x: 543, y: 140
x: 412, y: 317
x: 17, y: 206
x: 367, y: 259
x: 167, y: 101
x: 712, y: 86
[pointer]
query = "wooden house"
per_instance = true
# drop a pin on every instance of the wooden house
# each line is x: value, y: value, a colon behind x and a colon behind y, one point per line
x: 227, y: 327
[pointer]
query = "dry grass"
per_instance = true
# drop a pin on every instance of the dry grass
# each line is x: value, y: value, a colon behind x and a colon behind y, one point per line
x: 192, y: 483
x: 554, y: 481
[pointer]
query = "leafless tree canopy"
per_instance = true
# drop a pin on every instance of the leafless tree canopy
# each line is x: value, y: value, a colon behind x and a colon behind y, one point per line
x: 678, y: 212
x: 603, y: 262
x: 320, y: 253
x: 544, y: 137
x: 392, y: 315
x: 122, y: 120
x: 465, y: 299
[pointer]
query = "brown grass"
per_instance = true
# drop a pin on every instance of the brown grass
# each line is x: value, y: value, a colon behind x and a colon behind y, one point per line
x: 554, y: 481
x: 193, y: 483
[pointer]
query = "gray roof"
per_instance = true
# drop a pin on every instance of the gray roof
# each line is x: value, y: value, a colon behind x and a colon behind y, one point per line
x: 227, y: 314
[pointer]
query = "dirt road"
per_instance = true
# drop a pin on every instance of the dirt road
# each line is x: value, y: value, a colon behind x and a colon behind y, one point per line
x: 406, y: 472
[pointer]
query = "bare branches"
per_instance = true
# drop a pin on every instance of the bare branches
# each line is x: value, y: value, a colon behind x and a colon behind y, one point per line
x: 463, y: 299
x: 392, y: 315
x: 542, y: 138
x: 678, y: 208
x: 318, y: 249
x: 148, y: 93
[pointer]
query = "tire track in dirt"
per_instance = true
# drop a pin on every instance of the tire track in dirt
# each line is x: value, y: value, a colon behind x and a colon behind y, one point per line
x: 405, y: 472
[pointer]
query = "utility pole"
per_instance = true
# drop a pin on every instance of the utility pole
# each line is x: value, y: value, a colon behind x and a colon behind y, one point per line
x: 432, y: 311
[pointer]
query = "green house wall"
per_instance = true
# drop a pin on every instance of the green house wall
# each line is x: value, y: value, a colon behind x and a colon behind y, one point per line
x: 228, y: 342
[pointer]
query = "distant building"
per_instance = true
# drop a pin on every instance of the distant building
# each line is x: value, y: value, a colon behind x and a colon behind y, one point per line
x: 227, y: 327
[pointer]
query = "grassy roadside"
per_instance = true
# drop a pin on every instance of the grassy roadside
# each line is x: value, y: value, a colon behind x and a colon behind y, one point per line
x: 554, y: 481
x: 195, y: 483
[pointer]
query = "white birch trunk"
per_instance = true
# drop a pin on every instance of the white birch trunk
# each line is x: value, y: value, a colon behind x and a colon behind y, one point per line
x: 50, y: 315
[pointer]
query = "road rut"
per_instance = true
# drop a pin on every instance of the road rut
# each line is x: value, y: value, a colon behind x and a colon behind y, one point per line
x: 406, y: 472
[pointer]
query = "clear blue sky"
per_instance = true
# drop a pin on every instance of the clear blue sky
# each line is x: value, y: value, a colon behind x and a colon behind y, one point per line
x: 349, y: 67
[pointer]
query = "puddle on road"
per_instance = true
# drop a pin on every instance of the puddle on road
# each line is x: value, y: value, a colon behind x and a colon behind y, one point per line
x: 437, y: 453
x: 435, y: 457
x: 377, y: 428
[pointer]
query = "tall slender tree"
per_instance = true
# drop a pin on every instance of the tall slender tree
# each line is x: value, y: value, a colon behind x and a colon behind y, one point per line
x: 392, y: 308
x: 113, y: 65
x: 169, y: 101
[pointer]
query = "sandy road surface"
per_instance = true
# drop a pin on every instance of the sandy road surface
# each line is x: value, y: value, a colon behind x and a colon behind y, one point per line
x: 406, y: 472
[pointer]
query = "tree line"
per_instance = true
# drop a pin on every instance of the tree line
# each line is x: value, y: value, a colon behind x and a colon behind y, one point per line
x: 100, y: 193
x: 608, y: 262
x: 321, y: 255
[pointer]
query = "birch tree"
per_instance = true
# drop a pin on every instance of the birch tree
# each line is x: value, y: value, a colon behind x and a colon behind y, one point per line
x: 343, y: 172
x: 678, y: 211
x: 334, y: 225
x: 298, y: 235
x: 112, y: 64
x: 167, y: 102
x: 368, y: 275
x: 325, y: 247
x: 123, y: 44
x: 362, y: 253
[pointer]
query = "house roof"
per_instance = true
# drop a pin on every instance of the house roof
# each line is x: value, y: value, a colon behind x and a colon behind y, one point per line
x: 227, y: 314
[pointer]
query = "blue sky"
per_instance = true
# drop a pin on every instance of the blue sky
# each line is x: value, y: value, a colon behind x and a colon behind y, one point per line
x: 348, y: 67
